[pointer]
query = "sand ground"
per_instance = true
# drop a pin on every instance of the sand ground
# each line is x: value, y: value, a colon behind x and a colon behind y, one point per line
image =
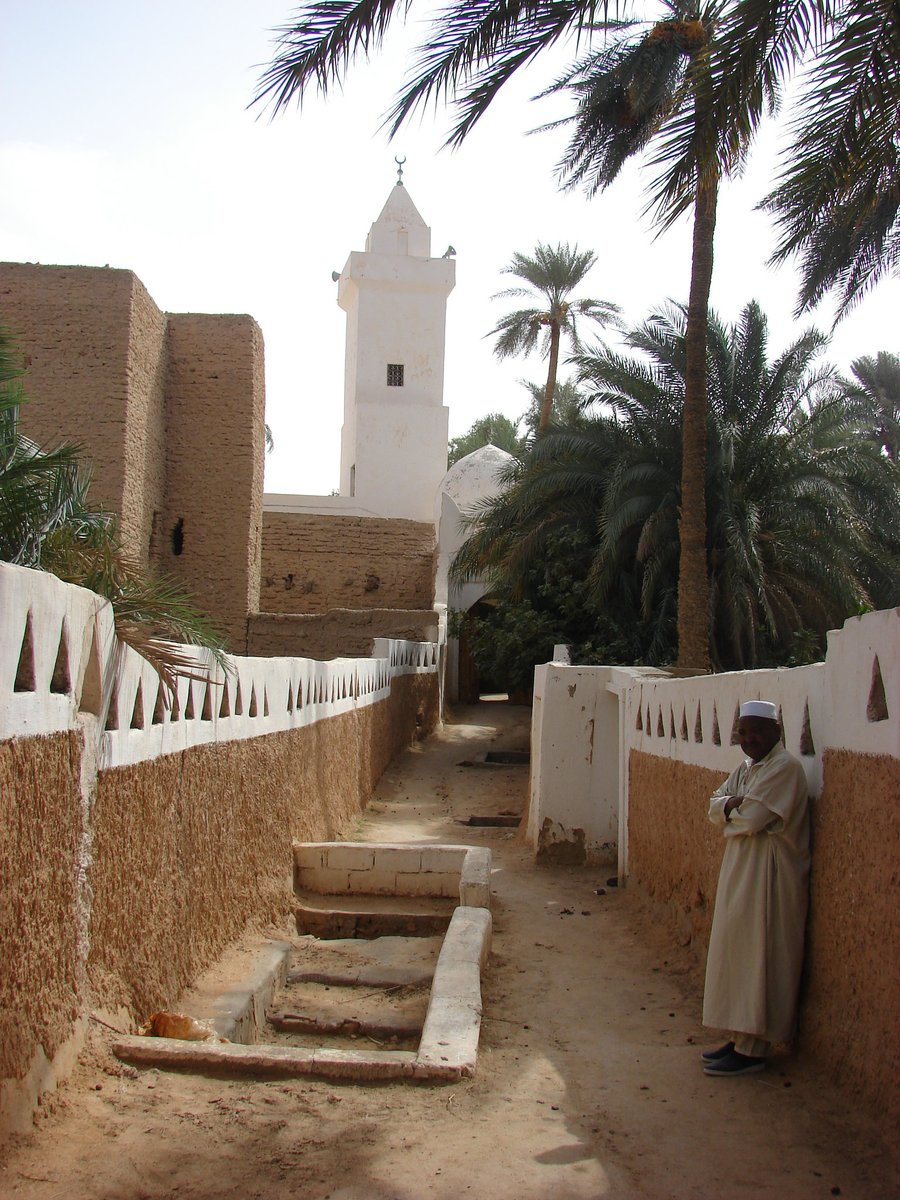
x: 588, y: 1087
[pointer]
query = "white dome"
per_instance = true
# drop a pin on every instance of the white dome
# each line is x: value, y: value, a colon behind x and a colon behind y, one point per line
x: 474, y: 477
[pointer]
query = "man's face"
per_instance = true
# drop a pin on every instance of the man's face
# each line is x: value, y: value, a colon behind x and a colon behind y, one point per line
x: 757, y: 736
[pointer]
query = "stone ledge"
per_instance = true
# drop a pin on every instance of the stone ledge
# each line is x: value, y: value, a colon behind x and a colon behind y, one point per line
x: 240, y: 1013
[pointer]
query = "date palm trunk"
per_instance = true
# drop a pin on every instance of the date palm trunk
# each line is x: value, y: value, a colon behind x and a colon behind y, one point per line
x: 547, y: 402
x: 693, y: 578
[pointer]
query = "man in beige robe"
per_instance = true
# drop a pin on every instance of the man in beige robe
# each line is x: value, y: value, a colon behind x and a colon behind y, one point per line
x: 756, y: 943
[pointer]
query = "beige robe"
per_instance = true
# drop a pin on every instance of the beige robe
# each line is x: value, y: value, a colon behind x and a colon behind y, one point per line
x: 756, y: 943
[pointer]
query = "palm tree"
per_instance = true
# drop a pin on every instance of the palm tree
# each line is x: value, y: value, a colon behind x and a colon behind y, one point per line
x: 568, y: 404
x: 654, y: 86
x: 837, y: 203
x: 552, y: 275
x: 804, y: 512
x: 876, y: 389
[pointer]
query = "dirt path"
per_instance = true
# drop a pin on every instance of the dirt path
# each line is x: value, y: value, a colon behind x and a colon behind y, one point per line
x: 589, y: 1083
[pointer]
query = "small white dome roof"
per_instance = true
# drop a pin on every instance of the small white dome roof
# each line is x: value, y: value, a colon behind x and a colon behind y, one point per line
x: 474, y: 477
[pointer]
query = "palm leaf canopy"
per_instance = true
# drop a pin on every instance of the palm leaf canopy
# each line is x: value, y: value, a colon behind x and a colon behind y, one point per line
x: 836, y: 204
x: 804, y: 505
x: 472, y: 48
x: 552, y: 274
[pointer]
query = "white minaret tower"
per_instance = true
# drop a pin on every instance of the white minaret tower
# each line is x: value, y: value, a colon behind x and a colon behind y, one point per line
x: 394, y: 438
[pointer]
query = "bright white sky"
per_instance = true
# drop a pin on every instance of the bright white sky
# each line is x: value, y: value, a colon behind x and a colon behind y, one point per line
x: 125, y: 140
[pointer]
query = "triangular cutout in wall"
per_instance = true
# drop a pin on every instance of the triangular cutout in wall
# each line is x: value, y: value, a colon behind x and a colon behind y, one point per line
x: 807, y: 745
x: 25, y: 681
x: 876, y: 708
x: 61, y: 680
x: 137, y: 712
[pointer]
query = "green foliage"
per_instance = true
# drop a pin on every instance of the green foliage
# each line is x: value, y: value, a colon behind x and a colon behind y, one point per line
x: 555, y: 605
x: 494, y: 429
x: 507, y: 643
x: 837, y: 201
x: 47, y: 523
x: 568, y: 405
x: 804, y: 503
x: 874, y: 391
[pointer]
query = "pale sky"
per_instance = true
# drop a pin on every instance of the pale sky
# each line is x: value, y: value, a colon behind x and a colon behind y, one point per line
x: 125, y: 140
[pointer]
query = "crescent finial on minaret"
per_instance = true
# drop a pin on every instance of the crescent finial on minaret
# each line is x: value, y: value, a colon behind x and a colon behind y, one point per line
x: 400, y: 162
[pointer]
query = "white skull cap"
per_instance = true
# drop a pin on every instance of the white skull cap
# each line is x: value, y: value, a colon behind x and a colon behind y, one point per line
x: 759, y: 708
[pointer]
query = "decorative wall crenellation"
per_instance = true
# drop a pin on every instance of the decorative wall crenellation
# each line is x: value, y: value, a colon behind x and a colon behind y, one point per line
x: 59, y: 658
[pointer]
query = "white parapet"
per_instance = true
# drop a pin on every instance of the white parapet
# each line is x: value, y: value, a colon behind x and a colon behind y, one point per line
x: 588, y: 720
x: 59, y: 658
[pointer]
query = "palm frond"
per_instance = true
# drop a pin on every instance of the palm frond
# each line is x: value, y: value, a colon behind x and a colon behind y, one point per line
x: 319, y: 45
x: 836, y: 204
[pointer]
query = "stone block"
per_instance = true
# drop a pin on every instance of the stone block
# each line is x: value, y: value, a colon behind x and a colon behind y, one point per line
x: 418, y: 884
x: 457, y: 978
x: 469, y: 936
x: 362, y: 1064
x: 240, y: 1013
x: 475, y: 878
x: 374, y: 882
x: 443, y: 858
x: 475, y: 895
x: 350, y: 857
x: 324, y: 881
x: 266, y: 1059
x: 451, y: 1031
x: 398, y: 858
x: 309, y: 854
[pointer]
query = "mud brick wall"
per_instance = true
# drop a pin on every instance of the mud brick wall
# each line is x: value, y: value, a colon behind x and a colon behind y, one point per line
x: 191, y: 848
x: 212, y: 522
x: 119, y: 886
x: 673, y: 850
x: 850, y: 1002
x: 169, y: 411
x: 93, y: 343
x: 40, y: 820
x: 311, y: 564
x: 336, y: 634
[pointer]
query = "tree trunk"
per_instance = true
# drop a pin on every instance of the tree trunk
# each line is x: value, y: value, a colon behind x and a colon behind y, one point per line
x: 693, y: 579
x: 547, y: 402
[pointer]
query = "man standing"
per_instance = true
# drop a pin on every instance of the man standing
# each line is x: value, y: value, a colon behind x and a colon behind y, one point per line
x: 756, y: 944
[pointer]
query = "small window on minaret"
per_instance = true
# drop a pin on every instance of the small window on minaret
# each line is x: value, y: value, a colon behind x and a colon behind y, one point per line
x: 395, y: 375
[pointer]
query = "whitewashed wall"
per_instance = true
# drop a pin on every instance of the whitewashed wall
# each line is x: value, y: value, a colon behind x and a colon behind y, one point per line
x: 59, y: 658
x: 581, y: 741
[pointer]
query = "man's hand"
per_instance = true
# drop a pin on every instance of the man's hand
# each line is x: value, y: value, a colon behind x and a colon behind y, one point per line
x: 731, y: 804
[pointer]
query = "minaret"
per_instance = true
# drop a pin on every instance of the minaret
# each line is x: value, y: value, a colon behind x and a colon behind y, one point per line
x: 394, y: 438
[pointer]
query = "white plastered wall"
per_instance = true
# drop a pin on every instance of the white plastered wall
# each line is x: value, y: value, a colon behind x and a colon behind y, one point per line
x: 581, y: 713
